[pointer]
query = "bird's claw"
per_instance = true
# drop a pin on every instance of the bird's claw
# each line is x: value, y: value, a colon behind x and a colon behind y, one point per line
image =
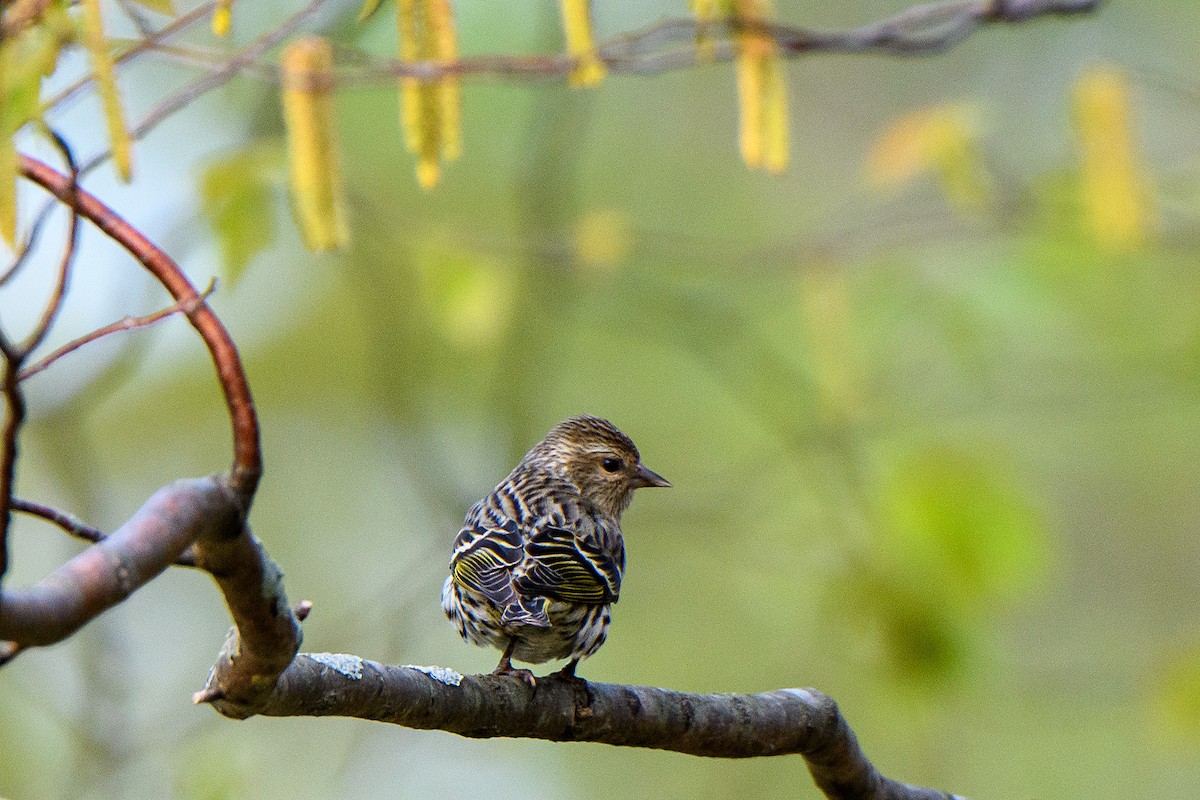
x: 524, y: 675
x: 567, y: 675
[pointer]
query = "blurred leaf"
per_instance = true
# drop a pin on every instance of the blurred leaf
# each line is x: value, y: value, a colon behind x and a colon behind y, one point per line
x: 923, y: 636
x: 953, y: 522
x: 471, y: 295
x: 1177, y: 692
x: 828, y: 325
x: 942, y: 139
x: 237, y: 195
x: 603, y: 239
x: 24, y: 60
x: 11, y: 117
x: 106, y: 86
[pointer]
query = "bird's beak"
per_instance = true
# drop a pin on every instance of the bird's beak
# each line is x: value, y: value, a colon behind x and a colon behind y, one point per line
x: 648, y: 477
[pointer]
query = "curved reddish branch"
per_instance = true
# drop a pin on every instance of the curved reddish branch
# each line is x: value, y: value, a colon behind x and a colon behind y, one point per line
x: 247, y: 459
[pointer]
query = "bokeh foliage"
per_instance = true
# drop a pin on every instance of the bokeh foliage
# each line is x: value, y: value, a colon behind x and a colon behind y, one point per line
x: 933, y: 433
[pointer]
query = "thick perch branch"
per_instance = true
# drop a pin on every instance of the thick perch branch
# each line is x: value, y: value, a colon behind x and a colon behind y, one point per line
x: 800, y: 721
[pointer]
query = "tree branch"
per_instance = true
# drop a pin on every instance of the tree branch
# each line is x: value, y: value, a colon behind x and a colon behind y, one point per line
x: 788, y: 721
x: 670, y: 44
x: 77, y: 527
x: 106, y: 573
x: 247, y: 461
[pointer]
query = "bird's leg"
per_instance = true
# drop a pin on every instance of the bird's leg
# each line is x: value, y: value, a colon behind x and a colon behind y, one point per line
x: 568, y: 675
x: 505, y: 666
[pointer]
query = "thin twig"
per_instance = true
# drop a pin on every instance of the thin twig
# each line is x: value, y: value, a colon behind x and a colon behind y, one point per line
x: 29, y: 245
x: 187, y: 305
x: 137, y: 17
x: 77, y: 527
x: 669, y: 45
x: 68, y: 522
x: 38, y: 334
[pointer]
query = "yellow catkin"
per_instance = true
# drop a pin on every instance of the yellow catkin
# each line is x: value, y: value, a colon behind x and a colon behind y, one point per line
x: 1115, y: 193
x: 8, y: 152
x: 430, y: 110
x: 106, y: 85
x: 762, y: 93
x: 222, y: 18
x: 589, y: 70
x: 312, y: 143
x: 774, y: 116
x: 707, y: 12
x: 445, y: 41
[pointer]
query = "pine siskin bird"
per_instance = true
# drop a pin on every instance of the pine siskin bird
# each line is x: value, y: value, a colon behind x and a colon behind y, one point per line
x: 539, y: 561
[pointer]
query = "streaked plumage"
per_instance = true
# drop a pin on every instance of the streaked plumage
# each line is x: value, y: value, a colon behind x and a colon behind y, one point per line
x: 539, y: 561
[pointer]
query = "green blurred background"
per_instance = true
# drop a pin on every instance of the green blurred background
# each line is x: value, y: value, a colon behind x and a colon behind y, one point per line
x: 940, y: 463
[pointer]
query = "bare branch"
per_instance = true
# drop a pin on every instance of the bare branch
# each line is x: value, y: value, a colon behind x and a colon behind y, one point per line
x: 788, y: 721
x: 14, y: 402
x: 26, y: 248
x: 38, y: 334
x: 670, y: 44
x: 77, y: 527
x: 106, y: 573
x: 266, y: 634
x: 247, y: 462
x: 187, y: 306
x: 68, y: 522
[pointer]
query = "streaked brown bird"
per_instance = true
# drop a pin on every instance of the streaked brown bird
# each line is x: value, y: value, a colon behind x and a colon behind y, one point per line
x: 539, y: 561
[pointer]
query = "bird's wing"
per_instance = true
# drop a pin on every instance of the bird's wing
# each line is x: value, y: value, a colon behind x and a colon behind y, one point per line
x: 565, y: 566
x: 483, y: 560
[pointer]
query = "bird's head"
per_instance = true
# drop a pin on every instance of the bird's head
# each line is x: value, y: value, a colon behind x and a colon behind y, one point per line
x: 598, y: 459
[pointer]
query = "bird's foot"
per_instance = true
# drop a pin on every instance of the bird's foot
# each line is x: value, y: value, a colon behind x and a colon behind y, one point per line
x: 524, y: 675
x: 567, y: 675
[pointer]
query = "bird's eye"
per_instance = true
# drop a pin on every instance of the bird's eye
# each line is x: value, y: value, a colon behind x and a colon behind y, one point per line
x: 611, y: 464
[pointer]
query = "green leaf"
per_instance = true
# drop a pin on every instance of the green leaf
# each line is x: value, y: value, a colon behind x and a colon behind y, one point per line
x: 237, y: 194
x: 1177, y: 692
x: 955, y: 522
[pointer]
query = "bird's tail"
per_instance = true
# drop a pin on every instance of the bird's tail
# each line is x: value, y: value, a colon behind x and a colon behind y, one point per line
x: 526, y: 611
